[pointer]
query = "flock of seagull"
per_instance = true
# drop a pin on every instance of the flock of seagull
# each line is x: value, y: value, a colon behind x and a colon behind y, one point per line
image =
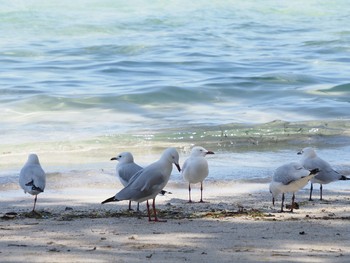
x: 291, y: 177
x: 144, y: 184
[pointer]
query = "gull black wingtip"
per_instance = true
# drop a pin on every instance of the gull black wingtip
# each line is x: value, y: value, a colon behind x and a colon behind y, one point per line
x: 344, y: 178
x: 112, y: 199
x: 314, y: 171
x: 163, y: 192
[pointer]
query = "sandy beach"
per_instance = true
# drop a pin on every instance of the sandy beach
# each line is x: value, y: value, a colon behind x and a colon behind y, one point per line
x: 83, y: 81
x: 237, y: 224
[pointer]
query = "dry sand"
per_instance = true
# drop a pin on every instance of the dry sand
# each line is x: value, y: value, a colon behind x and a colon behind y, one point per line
x: 238, y: 224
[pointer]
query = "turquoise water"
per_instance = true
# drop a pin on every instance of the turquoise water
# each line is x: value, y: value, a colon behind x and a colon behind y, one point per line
x: 81, y: 80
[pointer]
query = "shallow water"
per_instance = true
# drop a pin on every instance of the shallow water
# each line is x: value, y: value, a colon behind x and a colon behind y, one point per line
x: 84, y: 80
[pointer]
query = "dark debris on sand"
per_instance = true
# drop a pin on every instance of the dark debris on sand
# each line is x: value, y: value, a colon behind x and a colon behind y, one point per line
x: 172, y: 212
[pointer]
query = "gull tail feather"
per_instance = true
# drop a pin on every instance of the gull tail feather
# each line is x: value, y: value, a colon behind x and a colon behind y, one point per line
x: 112, y: 199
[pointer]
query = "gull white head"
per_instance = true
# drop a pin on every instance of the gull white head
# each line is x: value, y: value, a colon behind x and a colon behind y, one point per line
x: 33, y: 159
x: 124, y: 157
x: 200, y: 151
x: 172, y: 156
x: 307, y: 152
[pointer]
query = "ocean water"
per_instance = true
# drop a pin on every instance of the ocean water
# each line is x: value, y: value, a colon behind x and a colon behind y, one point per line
x: 255, y: 82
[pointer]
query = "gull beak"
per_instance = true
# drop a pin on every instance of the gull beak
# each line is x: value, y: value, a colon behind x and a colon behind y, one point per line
x: 178, y: 167
x: 113, y: 158
x: 209, y: 152
x: 300, y: 152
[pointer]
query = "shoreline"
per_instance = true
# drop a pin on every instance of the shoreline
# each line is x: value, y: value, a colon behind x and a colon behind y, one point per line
x: 234, y: 226
x: 237, y: 138
x: 224, y: 166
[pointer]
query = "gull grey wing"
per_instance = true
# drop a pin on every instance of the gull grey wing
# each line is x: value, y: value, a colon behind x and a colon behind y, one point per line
x: 127, y: 171
x: 289, y: 173
x: 135, y: 176
x: 326, y: 174
x: 142, y: 186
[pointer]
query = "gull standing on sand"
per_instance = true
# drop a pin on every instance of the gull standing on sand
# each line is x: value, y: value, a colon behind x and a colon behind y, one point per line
x: 290, y: 178
x: 125, y: 169
x: 310, y: 160
x: 32, y: 177
x: 195, y: 169
x: 147, y: 183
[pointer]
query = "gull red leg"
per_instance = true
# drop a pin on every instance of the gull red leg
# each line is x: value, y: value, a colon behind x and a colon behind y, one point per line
x: 155, y: 212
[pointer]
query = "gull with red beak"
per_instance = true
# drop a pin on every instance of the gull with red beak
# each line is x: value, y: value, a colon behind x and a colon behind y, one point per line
x: 126, y: 169
x: 147, y: 183
x: 195, y: 169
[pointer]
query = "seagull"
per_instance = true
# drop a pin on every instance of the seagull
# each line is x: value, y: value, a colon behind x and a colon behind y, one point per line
x: 310, y: 160
x: 125, y: 169
x: 32, y: 177
x: 195, y: 169
x: 290, y: 178
x: 149, y: 182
